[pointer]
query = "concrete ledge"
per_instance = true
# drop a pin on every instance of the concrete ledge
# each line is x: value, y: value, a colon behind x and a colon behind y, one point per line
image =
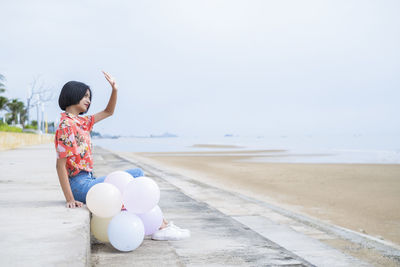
x: 35, y: 226
x: 10, y: 140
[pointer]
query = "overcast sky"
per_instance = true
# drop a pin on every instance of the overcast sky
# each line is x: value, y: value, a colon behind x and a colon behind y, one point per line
x: 211, y: 66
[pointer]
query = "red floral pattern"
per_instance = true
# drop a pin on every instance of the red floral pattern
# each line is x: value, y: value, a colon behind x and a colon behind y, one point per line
x: 72, y: 141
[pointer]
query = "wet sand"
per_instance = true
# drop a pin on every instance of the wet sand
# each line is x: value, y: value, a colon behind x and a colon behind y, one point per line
x: 361, y: 197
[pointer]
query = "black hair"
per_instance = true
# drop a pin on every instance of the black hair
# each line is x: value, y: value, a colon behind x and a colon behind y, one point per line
x: 72, y: 93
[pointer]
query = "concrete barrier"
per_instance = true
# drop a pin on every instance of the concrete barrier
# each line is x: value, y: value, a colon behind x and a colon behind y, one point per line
x: 10, y: 140
x: 36, y: 228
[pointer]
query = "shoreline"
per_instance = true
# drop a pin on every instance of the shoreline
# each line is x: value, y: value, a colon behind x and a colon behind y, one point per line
x: 266, y: 151
x: 347, y: 195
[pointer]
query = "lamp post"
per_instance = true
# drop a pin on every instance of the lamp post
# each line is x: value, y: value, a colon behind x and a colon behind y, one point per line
x: 42, y: 117
x: 39, y: 122
x: 28, y: 104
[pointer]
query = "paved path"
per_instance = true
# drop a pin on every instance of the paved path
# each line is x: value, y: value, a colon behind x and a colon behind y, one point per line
x: 217, y: 239
x: 35, y: 227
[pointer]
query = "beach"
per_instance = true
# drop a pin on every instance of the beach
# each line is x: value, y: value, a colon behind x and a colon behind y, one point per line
x: 360, y: 197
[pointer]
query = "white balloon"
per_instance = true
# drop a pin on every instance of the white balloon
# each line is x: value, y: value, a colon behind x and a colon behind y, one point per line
x: 126, y: 231
x: 104, y: 200
x: 141, y: 195
x: 120, y: 179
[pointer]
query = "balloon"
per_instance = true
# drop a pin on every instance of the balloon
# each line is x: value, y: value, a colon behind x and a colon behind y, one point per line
x: 104, y: 200
x: 152, y: 220
x: 141, y: 195
x: 119, y: 178
x: 125, y: 231
x: 99, y: 227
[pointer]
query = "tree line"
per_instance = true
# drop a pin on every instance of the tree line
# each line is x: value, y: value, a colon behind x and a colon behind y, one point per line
x: 14, y: 111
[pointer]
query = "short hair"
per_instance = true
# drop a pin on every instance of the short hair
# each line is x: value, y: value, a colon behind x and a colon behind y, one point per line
x: 72, y: 93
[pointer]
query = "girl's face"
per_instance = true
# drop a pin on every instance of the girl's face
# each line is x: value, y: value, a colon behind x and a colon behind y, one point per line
x: 85, y: 102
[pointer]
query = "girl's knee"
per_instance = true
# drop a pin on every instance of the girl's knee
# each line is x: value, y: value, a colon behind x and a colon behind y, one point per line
x: 80, y: 195
x: 136, y: 172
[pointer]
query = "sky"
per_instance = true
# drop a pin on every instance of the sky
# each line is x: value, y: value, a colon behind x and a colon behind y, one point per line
x: 213, y: 67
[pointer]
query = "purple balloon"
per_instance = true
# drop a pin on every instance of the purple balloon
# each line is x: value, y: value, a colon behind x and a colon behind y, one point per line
x: 152, y: 220
x: 120, y: 179
x: 141, y: 195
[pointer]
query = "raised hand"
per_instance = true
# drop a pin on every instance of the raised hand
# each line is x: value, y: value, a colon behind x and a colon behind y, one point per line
x: 110, y: 80
x: 109, y: 110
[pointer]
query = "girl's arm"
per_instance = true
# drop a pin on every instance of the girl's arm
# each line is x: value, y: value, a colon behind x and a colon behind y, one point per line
x: 64, y: 182
x: 111, y: 103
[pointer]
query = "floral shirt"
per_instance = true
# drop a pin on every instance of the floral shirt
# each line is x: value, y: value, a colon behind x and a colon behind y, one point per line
x: 72, y: 141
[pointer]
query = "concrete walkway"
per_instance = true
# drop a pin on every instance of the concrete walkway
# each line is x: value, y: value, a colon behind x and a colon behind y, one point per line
x: 227, y: 229
x: 217, y: 239
x: 35, y: 227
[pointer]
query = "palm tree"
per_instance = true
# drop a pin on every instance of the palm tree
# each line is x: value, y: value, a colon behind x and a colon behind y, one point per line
x: 16, y: 107
x: 3, y: 100
x: 23, y: 116
x: 3, y: 107
x: 2, y: 85
x: 3, y: 103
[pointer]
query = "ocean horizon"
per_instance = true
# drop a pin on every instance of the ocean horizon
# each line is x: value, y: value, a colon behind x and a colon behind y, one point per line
x: 362, y: 149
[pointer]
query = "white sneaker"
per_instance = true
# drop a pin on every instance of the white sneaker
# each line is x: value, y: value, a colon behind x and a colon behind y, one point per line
x: 171, y: 223
x: 171, y: 232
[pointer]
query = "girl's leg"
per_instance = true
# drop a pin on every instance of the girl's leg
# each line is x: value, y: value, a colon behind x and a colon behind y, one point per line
x: 95, y: 181
x: 91, y: 181
x: 81, y: 183
x: 164, y: 224
x: 136, y: 172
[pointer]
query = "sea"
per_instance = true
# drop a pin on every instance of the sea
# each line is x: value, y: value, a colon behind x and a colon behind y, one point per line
x: 339, y: 148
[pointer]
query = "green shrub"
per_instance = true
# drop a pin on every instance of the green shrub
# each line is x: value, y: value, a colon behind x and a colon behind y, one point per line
x: 6, y: 128
x: 34, y: 127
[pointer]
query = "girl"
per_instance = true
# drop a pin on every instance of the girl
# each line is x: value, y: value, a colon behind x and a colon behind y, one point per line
x: 74, y: 149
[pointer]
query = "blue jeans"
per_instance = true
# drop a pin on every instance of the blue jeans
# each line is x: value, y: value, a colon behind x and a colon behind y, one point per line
x: 83, y: 181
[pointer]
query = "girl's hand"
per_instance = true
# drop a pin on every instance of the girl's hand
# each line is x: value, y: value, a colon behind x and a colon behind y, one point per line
x: 110, y: 80
x: 74, y: 204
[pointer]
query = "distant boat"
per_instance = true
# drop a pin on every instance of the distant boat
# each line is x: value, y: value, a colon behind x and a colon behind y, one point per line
x: 228, y: 135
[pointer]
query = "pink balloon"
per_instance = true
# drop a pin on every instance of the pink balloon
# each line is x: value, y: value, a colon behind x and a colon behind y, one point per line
x: 120, y: 179
x: 141, y: 195
x: 152, y: 220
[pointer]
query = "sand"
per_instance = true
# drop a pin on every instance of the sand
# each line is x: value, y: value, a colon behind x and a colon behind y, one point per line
x: 361, y: 197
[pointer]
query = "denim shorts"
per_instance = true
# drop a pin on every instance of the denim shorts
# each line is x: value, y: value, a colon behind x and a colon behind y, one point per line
x: 83, y: 181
